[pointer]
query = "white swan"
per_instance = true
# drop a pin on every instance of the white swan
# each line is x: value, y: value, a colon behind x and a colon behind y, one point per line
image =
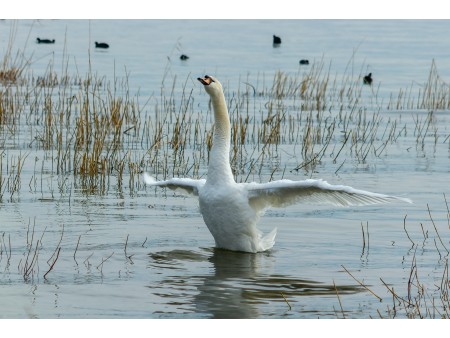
x: 231, y: 210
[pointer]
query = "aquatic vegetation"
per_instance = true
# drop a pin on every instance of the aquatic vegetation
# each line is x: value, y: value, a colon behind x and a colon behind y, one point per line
x: 434, y: 94
x: 421, y: 296
x: 101, y: 134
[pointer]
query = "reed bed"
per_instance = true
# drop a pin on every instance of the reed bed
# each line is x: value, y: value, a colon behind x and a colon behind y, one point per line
x: 95, y: 131
x: 432, y: 95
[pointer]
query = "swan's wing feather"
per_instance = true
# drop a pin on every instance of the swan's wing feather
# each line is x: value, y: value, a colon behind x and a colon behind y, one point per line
x: 286, y: 192
x: 186, y: 185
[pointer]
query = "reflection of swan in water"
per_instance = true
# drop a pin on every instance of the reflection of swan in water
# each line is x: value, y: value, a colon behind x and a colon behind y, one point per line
x: 231, y: 210
x: 239, y: 285
x: 221, y: 294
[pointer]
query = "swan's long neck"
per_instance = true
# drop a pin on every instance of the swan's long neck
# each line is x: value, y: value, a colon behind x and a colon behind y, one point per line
x: 219, y: 170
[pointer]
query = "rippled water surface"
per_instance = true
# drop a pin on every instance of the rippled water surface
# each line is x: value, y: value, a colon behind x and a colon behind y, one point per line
x: 123, y: 250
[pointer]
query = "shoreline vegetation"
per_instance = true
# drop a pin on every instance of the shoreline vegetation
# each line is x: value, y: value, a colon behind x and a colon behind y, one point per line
x: 91, y: 134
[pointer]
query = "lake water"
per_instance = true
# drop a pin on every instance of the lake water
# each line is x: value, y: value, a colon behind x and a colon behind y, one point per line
x: 123, y: 250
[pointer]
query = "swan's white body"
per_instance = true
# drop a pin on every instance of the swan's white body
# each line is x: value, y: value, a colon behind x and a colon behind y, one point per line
x: 231, y: 210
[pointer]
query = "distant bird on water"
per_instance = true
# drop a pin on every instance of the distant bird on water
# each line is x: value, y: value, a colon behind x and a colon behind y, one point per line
x: 276, y: 40
x: 304, y: 62
x: 368, y: 79
x: 48, y: 41
x: 101, y: 45
x: 184, y: 57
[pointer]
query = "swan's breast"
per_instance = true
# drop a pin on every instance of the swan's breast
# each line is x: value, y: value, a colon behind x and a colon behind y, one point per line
x: 225, y: 209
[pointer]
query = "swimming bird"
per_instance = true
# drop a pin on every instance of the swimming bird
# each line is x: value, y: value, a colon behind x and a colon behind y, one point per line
x: 101, y: 45
x: 231, y: 210
x: 368, y: 79
x: 276, y: 40
x: 304, y: 62
x: 48, y: 41
x: 184, y: 57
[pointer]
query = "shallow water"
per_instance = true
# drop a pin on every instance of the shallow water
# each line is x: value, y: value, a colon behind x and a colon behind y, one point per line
x: 135, y: 252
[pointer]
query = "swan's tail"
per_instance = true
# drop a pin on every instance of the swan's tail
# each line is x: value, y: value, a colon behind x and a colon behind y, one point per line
x: 268, y: 241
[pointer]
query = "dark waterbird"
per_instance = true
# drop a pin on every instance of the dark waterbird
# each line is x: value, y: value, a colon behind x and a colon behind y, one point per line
x: 368, y: 79
x: 45, y: 40
x: 101, y: 45
x: 304, y: 62
x: 276, y: 40
x: 184, y: 57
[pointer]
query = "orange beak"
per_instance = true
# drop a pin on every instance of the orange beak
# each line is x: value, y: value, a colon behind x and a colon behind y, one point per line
x: 206, y: 80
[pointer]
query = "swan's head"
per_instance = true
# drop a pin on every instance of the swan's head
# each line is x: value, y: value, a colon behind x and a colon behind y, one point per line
x: 211, y: 84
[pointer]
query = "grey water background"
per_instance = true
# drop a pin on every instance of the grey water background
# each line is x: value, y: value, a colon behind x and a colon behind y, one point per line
x: 170, y: 268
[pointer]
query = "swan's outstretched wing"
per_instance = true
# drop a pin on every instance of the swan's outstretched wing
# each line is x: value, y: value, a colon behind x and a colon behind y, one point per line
x: 186, y: 185
x: 286, y: 192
